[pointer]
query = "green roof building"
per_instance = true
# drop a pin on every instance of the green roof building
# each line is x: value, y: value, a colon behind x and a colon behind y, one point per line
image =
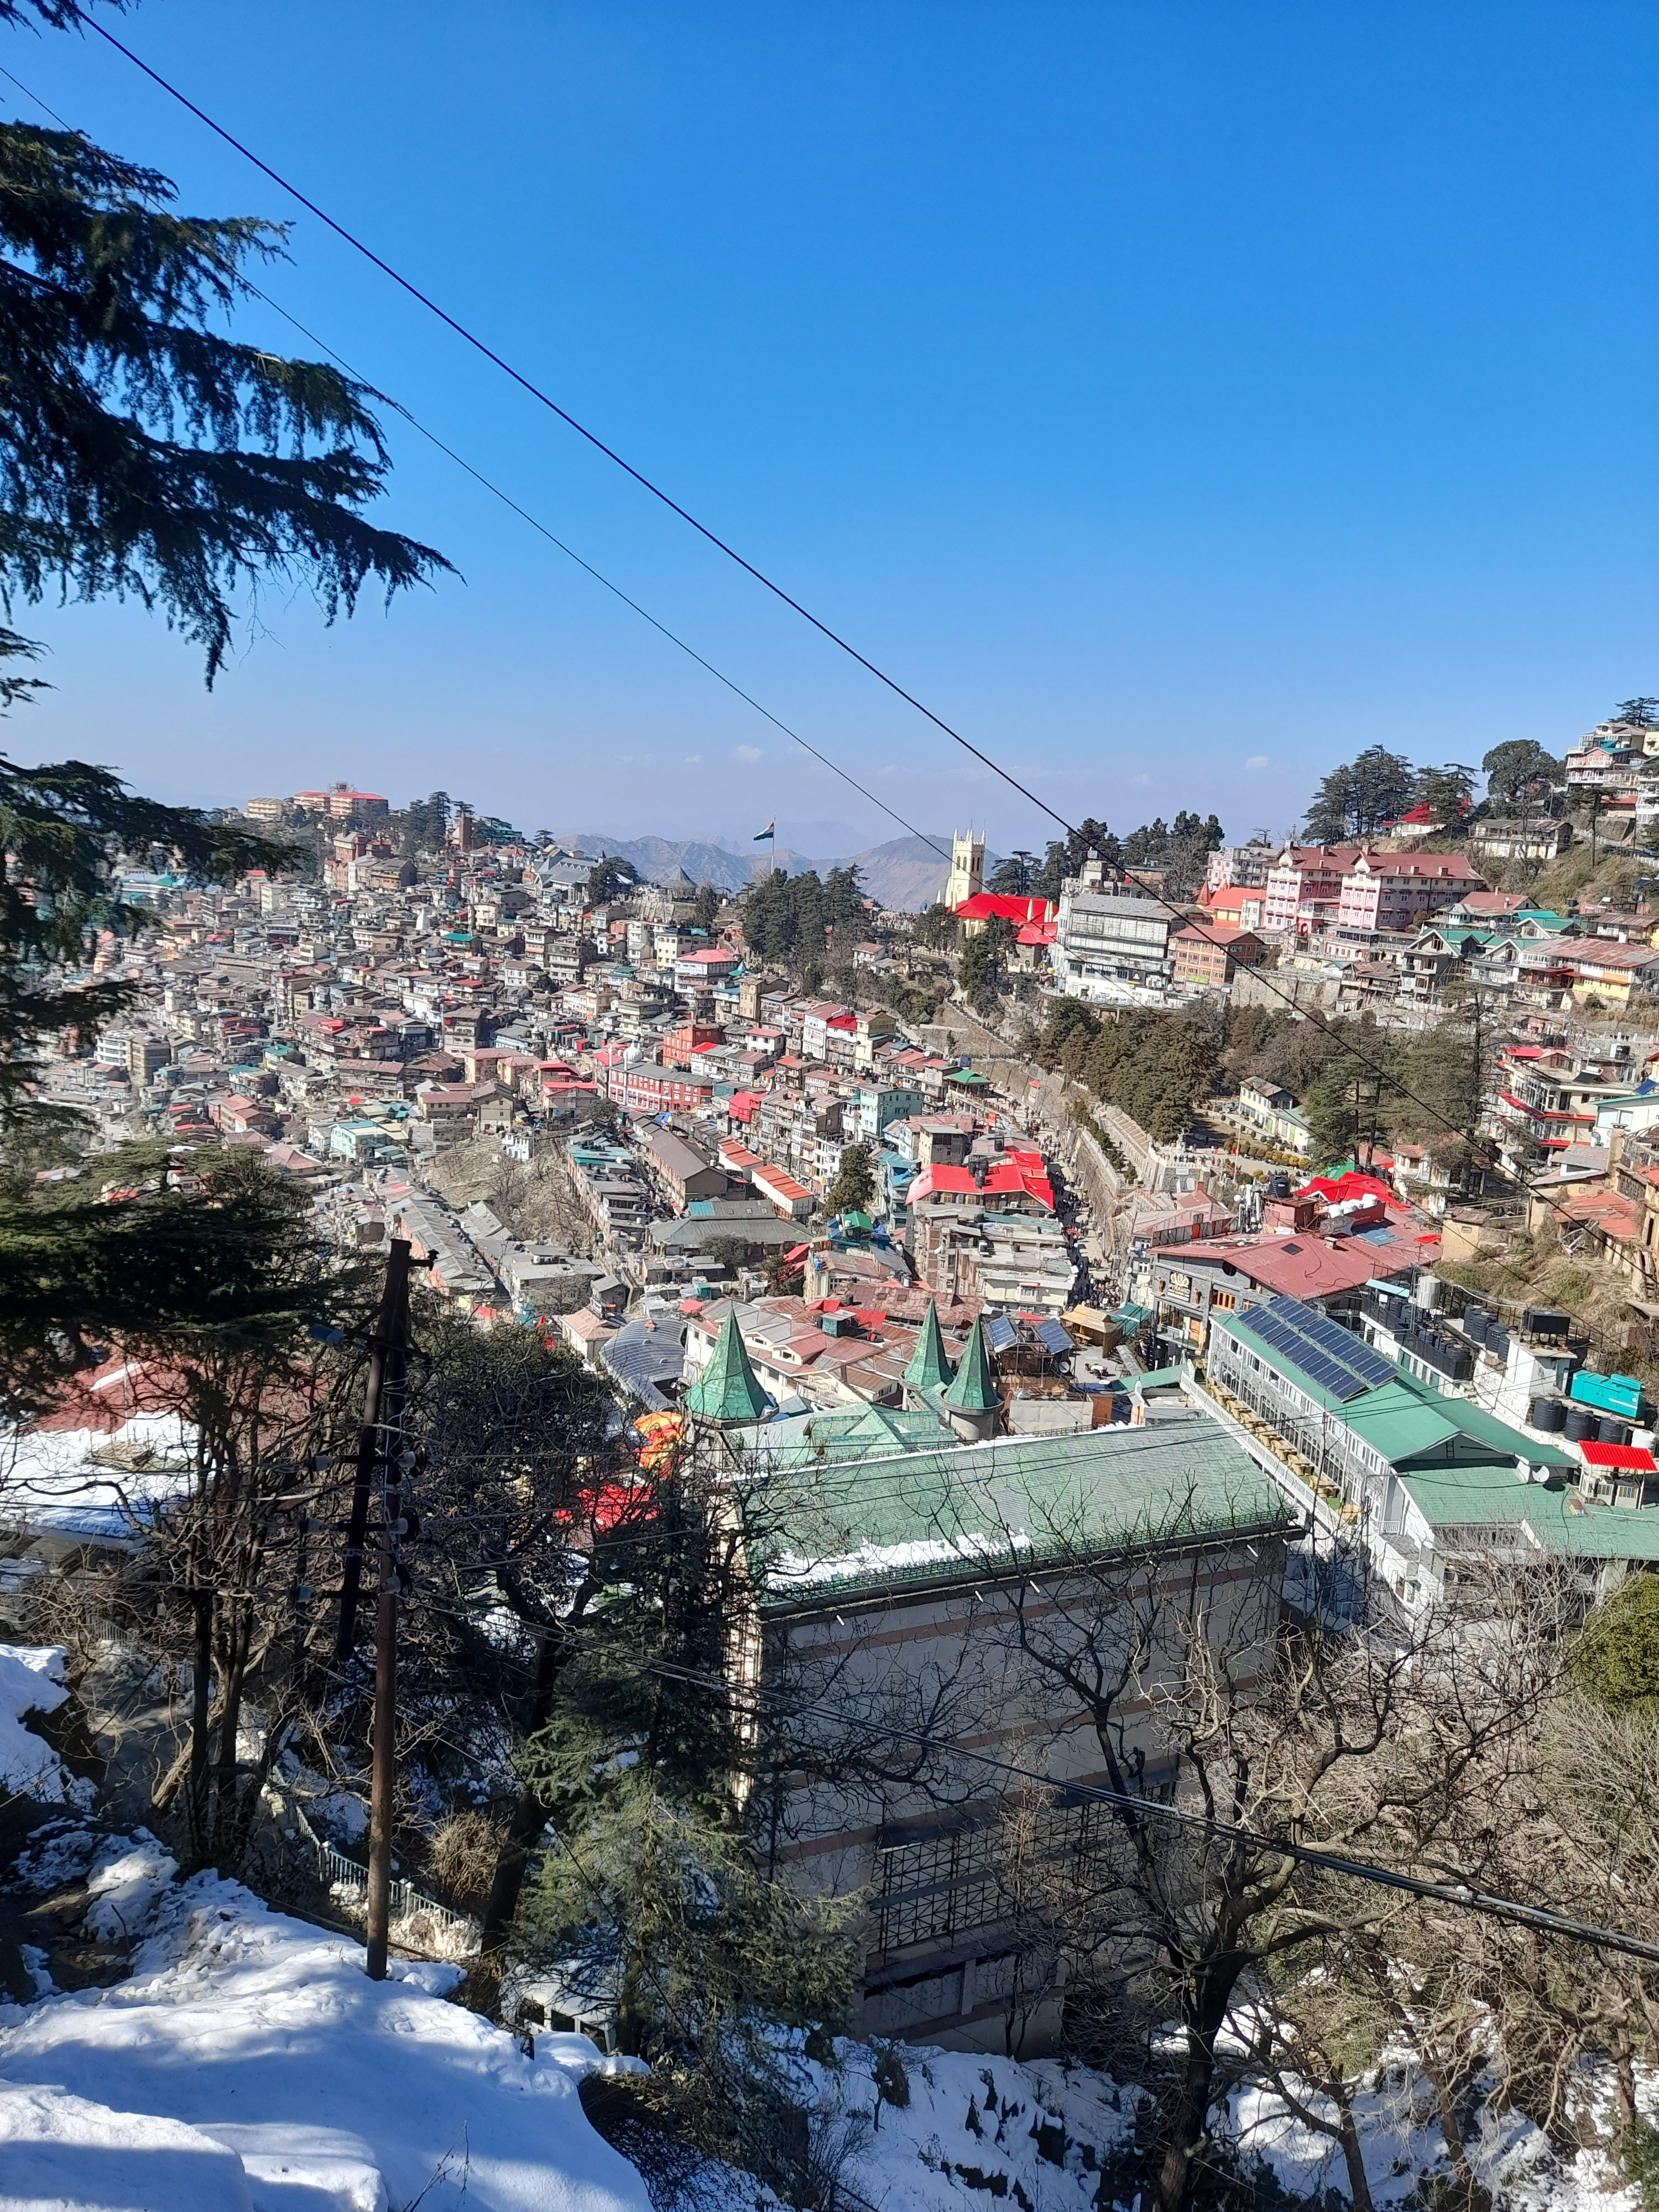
x: 1431, y: 1484
x: 898, y: 1574
x: 917, y: 1519
x: 727, y: 1393
x: 970, y: 1402
x: 929, y: 1368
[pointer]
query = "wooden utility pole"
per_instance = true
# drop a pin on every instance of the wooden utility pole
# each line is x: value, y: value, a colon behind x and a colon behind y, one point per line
x: 380, y: 1455
x: 392, y: 1322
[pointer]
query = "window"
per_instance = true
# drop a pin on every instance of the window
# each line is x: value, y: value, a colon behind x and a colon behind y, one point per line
x: 1224, y: 1300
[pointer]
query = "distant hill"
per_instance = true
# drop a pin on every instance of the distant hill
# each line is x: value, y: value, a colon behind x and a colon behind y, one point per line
x: 905, y: 874
x: 657, y: 858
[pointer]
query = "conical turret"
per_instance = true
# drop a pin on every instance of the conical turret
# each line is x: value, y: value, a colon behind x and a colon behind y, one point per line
x: 928, y: 1369
x: 727, y: 1391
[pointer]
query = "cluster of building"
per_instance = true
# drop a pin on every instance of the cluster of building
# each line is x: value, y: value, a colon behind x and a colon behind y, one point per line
x: 916, y: 1372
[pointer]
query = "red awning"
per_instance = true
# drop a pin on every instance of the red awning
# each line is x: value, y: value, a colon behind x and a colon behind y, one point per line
x: 1628, y: 1459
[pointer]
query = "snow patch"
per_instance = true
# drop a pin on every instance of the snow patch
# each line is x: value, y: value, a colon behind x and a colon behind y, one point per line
x: 32, y: 1681
x: 124, y: 1881
x: 96, y: 1482
x: 60, y: 2154
x: 250, y: 2065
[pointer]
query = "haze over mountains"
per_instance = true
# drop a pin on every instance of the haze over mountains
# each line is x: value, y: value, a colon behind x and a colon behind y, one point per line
x: 905, y: 874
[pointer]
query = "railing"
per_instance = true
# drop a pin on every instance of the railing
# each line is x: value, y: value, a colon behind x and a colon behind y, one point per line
x: 1324, y: 1518
x: 337, y: 1871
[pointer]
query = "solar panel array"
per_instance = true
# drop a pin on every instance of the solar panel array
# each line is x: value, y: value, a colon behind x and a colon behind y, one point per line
x: 1316, y: 1347
x: 1000, y: 1332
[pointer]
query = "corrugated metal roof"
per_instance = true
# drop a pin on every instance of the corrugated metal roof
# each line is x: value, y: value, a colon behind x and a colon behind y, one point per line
x: 1487, y: 1496
x: 939, y: 1516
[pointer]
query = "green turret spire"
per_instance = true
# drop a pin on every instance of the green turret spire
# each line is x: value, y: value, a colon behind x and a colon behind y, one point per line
x: 975, y: 1388
x: 727, y: 1391
x: 929, y: 1368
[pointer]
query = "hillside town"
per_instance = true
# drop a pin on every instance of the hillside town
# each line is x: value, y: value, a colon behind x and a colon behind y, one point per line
x: 590, y: 1106
x: 769, y: 1508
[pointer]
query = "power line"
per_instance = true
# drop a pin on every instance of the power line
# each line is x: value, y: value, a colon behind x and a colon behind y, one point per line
x: 545, y: 400
x: 508, y: 501
x: 1442, y: 1892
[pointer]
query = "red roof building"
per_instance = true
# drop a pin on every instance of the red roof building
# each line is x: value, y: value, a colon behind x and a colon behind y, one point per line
x: 987, y: 906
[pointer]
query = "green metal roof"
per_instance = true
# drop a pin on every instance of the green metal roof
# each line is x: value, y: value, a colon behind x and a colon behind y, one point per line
x: 940, y: 1516
x: 973, y: 1386
x: 1406, y: 1421
x: 728, y: 1389
x: 841, y: 1433
x: 1464, y: 1496
x: 928, y: 1367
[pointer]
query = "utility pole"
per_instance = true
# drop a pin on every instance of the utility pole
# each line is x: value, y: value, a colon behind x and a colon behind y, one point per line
x: 380, y: 1452
x: 393, y: 1319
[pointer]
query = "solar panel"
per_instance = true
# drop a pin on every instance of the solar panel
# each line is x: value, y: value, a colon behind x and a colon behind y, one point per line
x: 1000, y: 1333
x: 1315, y: 1345
x: 1053, y: 1338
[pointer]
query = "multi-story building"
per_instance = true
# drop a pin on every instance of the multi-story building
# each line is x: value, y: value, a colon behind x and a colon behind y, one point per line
x: 1271, y: 1110
x: 1504, y: 837
x: 1547, y: 1098
x: 650, y: 1089
x: 875, y: 1105
x: 1606, y: 763
x: 1303, y: 890
x: 1243, y: 867
x: 1206, y: 956
x: 1438, y: 1490
x: 1400, y: 891
x: 1107, y: 946
x: 339, y: 803
x: 146, y: 1056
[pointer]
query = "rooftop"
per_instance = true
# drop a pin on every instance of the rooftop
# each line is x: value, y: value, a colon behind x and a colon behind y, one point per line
x: 919, y: 1517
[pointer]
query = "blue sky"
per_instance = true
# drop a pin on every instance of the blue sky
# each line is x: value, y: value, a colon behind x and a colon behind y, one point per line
x: 1178, y: 397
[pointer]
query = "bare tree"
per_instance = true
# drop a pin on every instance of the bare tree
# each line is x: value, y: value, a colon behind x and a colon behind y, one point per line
x: 1339, y: 1733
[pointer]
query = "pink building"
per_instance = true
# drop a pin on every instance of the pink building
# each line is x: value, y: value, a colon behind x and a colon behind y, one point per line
x: 1398, y: 890
x: 1304, y: 888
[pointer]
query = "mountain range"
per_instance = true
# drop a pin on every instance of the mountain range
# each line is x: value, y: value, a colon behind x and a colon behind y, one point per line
x: 905, y: 874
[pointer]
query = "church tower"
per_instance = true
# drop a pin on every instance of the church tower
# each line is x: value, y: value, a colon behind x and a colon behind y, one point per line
x: 967, y: 877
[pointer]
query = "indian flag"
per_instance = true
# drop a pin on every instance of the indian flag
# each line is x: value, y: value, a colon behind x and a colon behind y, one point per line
x: 767, y: 836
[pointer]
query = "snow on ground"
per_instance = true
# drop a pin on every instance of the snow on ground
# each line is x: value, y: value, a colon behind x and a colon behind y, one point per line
x: 32, y: 1681
x: 970, y: 2129
x: 250, y: 2064
x: 1401, y: 2141
x: 94, y: 1482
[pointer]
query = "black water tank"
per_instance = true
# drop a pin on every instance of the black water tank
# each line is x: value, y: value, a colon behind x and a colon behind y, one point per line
x: 1610, y: 1431
x: 1476, y: 1322
x: 1498, y: 1342
x: 1580, y: 1424
x: 1549, y: 1414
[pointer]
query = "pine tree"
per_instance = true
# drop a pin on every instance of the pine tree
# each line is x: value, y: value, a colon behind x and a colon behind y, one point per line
x: 143, y: 454
x: 855, y: 1181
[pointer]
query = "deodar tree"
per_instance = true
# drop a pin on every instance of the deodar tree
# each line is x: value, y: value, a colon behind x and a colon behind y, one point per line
x: 145, y: 454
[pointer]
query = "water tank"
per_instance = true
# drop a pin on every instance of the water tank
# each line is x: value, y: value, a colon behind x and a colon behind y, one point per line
x: 1428, y: 1292
x: 1580, y: 1424
x: 1610, y: 1431
x: 1547, y: 1415
x: 1476, y: 1322
x: 1498, y: 1342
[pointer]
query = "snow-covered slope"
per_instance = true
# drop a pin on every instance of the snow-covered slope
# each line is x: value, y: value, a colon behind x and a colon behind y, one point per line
x: 249, y: 2064
x: 32, y: 1681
